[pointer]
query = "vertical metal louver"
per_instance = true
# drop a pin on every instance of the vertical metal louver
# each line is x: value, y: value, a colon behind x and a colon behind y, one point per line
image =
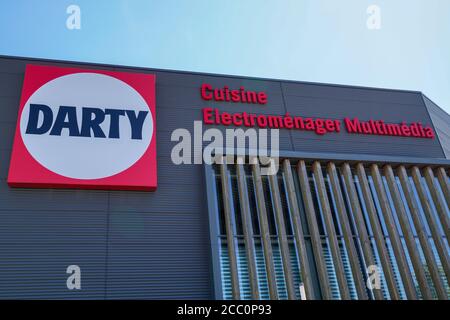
x: 321, y: 224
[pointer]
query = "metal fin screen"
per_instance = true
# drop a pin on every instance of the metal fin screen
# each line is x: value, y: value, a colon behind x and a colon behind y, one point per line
x: 319, y: 225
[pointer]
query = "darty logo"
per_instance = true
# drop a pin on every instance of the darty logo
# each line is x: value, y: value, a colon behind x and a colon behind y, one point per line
x: 92, y: 119
x: 85, y: 129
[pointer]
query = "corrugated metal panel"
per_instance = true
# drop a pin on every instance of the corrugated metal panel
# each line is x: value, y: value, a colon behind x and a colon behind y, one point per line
x: 37, y: 246
x: 147, y: 259
x: 128, y: 244
x: 441, y: 121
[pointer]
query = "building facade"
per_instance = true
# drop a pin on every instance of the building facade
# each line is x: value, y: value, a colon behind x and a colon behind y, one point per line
x: 361, y: 196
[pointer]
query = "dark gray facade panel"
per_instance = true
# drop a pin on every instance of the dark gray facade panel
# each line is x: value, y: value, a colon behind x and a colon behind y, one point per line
x: 7, y: 130
x: 441, y: 121
x: 11, y: 84
x: 155, y: 244
x: 180, y: 99
x: 333, y: 105
x: 168, y: 198
x: 17, y: 67
x: 358, y: 147
x: 12, y: 65
x: 349, y: 138
x: 5, y: 155
x: 166, y: 171
x: 51, y: 200
x: 37, y: 246
x: 9, y: 108
x: 196, y: 80
x: 364, y: 110
x: 351, y: 93
x: 145, y: 260
x: 165, y: 148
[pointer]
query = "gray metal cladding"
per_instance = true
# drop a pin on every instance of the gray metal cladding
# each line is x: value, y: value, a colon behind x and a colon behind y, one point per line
x: 441, y: 121
x: 146, y: 258
x: 337, y: 102
x: 153, y: 245
x: 128, y: 244
x: 36, y: 246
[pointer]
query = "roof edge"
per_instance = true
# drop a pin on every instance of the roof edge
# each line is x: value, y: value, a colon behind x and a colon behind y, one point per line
x: 425, y: 96
x: 207, y: 74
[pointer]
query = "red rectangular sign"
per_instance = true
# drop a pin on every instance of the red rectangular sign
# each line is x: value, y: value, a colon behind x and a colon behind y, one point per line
x: 84, y: 128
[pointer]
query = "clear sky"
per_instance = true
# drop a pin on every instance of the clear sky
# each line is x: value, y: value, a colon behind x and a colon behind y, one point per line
x: 309, y: 40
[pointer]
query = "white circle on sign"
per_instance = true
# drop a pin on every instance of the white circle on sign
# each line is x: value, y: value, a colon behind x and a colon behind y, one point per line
x: 87, y: 157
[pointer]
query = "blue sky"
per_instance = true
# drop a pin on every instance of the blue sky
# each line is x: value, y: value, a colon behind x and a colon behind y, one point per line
x: 309, y: 40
